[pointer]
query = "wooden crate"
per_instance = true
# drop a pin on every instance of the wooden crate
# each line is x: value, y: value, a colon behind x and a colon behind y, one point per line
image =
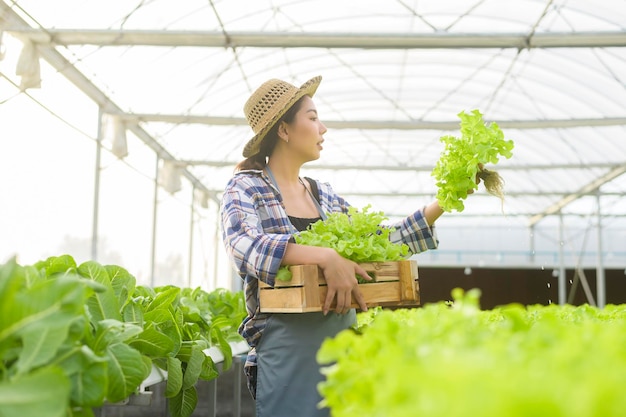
x: 395, y: 285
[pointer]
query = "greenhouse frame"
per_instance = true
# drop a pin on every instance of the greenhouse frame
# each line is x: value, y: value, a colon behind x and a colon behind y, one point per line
x: 123, y: 121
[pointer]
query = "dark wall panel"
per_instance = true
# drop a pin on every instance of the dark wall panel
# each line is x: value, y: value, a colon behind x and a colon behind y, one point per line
x: 525, y: 286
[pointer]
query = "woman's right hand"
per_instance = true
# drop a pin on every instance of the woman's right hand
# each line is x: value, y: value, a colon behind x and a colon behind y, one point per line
x: 340, y: 274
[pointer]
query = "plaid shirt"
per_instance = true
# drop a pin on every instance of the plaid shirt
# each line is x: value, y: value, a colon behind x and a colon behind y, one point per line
x: 256, y: 231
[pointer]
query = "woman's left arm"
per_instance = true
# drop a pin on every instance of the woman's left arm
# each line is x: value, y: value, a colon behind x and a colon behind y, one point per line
x: 432, y: 212
x: 418, y: 229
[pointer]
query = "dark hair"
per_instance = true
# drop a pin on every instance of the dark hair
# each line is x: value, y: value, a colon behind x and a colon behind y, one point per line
x: 259, y: 160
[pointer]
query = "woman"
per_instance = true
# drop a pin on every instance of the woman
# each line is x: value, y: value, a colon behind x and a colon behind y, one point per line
x: 264, y: 205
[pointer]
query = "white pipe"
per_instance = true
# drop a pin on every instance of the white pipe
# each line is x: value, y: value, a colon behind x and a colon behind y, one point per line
x: 191, y: 227
x: 532, y: 243
x: 562, y: 292
x: 216, y: 243
x: 154, y: 223
x: 96, y: 191
x: 600, y: 278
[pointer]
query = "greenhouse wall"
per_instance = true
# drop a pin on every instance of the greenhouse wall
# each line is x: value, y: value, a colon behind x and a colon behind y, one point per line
x: 525, y: 286
x: 516, y: 245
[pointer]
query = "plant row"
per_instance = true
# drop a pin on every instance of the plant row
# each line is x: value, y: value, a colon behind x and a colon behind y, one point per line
x: 454, y: 359
x: 74, y: 337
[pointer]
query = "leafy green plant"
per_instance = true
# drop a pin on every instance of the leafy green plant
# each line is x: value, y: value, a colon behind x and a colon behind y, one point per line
x: 454, y: 359
x: 44, y: 362
x: 94, y: 335
x: 357, y: 235
x: 458, y: 166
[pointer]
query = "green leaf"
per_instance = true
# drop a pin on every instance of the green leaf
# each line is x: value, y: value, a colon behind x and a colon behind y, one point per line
x: 217, y: 337
x: 88, y: 374
x: 184, y: 403
x: 44, y: 393
x: 111, y: 331
x: 166, y: 297
x: 456, y: 169
x: 90, y: 385
x: 132, y: 312
x: 151, y: 342
x: 40, y: 343
x: 104, y: 304
x: 174, y: 377
x: 40, y: 316
x: 191, y: 310
x: 193, y: 368
x: 12, y: 279
x: 123, y: 283
x: 126, y: 371
x: 58, y: 265
x: 160, y: 316
x: 166, y: 323
x: 284, y: 274
x: 209, y: 369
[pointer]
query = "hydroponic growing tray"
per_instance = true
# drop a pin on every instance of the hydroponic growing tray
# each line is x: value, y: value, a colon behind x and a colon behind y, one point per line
x: 395, y: 284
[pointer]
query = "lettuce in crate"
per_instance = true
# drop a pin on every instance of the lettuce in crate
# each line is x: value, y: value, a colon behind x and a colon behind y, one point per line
x: 359, y: 236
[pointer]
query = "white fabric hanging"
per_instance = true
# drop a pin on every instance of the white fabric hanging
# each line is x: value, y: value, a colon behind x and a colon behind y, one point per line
x: 170, y: 176
x: 28, y: 66
x: 2, y: 46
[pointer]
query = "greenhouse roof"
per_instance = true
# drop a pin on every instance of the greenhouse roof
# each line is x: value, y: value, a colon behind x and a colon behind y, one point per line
x: 396, y: 74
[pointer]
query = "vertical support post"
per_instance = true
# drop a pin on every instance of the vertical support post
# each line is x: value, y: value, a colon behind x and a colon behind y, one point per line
x: 154, y: 222
x: 216, y: 245
x: 600, y: 279
x: 237, y: 371
x: 96, y: 191
x: 532, y: 244
x: 191, y: 227
x: 562, y: 292
x: 212, y: 399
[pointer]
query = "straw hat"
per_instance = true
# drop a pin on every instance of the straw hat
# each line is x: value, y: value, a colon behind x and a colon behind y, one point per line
x: 268, y: 104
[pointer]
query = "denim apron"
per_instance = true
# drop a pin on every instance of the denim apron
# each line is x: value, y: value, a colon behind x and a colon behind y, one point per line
x: 287, y: 370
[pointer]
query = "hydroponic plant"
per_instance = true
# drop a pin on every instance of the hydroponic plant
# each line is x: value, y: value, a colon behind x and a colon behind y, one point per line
x: 458, y: 166
x: 73, y: 337
x: 358, y: 235
x: 457, y: 360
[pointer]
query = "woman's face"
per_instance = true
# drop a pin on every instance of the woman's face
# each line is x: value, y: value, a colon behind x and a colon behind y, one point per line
x: 305, y: 133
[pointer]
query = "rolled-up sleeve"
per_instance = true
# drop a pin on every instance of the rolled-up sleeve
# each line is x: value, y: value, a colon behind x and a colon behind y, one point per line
x: 415, y: 231
x: 254, y: 251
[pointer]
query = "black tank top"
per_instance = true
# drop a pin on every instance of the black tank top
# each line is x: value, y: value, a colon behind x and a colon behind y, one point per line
x: 301, y: 223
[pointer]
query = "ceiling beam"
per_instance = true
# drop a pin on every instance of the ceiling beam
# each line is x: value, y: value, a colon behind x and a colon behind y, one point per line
x: 590, y: 188
x: 482, y: 216
x: 522, y: 194
x: 392, y: 194
x: 383, y: 124
x: 412, y: 168
x: 167, y: 38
